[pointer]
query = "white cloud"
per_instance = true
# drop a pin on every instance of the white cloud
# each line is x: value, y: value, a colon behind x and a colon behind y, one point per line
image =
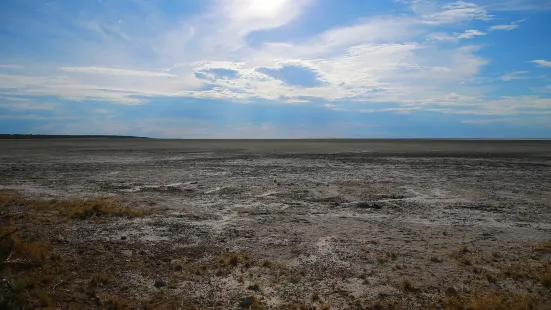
x: 538, y: 121
x: 545, y: 89
x: 516, y: 75
x: 16, y: 103
x: 508, y: 27
x: 455, y: 12
x: 119, y: 72
x: 517, y: 5
x: 468, y: 34
x: 11, y: 66
x: 503, y: 27
x: 542, y: 63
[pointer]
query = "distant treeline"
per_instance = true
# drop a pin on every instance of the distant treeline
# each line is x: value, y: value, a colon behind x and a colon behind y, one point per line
x: 25, y: 136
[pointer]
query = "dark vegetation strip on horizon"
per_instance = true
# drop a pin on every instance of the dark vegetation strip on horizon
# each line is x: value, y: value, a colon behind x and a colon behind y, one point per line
x: 40, y: 136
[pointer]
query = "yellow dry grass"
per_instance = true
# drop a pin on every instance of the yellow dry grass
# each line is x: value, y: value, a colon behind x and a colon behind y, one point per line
x: 75, y: 208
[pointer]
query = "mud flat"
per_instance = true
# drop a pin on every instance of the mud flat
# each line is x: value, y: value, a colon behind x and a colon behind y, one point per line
x: 287, y: 224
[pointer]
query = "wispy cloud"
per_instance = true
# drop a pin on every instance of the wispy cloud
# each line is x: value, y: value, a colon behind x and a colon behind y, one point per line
x: 506, y: 27
x: 457, y: 12
x: 516, y: 75
x: 542, y: 63
x: 113, y: 71
x: 11, y: 66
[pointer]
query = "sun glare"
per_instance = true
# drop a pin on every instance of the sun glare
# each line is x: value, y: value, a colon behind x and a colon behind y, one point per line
x: 265, y: 8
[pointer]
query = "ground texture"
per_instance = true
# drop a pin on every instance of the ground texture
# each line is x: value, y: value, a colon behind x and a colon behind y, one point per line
x: 154, y: 224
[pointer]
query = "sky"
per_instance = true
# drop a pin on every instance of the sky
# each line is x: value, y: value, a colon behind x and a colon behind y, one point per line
x: 277, y: 68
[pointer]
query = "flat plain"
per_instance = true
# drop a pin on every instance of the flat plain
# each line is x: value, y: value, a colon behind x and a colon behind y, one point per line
x: 275, y: 224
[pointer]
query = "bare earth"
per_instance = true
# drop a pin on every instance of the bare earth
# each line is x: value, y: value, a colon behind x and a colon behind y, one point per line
x: 327, y: 224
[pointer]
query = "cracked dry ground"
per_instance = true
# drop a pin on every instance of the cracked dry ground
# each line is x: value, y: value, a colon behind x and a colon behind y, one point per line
x: 111, y: 226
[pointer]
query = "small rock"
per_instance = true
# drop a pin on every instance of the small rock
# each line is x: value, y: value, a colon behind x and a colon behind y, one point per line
x: 369, y: 205
x: 159, y: 283
x: 123, y: 237
x: 450, y: 292
x: 126, y: 253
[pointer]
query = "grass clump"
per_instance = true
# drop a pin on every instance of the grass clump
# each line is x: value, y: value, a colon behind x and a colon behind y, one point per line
x: 392, y: 255
x: 406, y: 286
x: 435, y: 259
x: 250, y: 302
x: 544, y: 247
x: 99, y: 279
x: 546, y: 281
x: 467, y: 261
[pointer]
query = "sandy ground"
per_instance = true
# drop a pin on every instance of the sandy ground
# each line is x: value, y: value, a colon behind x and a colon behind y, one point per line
x: 313, y: 224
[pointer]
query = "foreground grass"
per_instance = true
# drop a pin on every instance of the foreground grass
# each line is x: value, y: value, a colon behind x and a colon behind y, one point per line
x: 31, y: 267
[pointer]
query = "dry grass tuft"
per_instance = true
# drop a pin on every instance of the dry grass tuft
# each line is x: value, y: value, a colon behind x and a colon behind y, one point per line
x: 13, y: 250
x: 99, y: 279
x: 235, y: 259
x: 435, y: 259
x: 74, y: 208
x: 407, y: 286
x: 544, y: 247
x: 251, y: 303
x: 103, y: 207
x: 392, y: 255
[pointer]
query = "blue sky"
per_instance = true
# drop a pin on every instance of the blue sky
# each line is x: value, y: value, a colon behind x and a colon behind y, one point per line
x: 277, y: 68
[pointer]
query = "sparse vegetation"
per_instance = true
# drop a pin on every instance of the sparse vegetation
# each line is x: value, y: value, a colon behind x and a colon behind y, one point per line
x: 435, y: 259
x: 544, y: 247
x: 315, y: 297
x: 99, y: 279
x: 406, y: 285
x: 392, y: 255
x: 466, y: 261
